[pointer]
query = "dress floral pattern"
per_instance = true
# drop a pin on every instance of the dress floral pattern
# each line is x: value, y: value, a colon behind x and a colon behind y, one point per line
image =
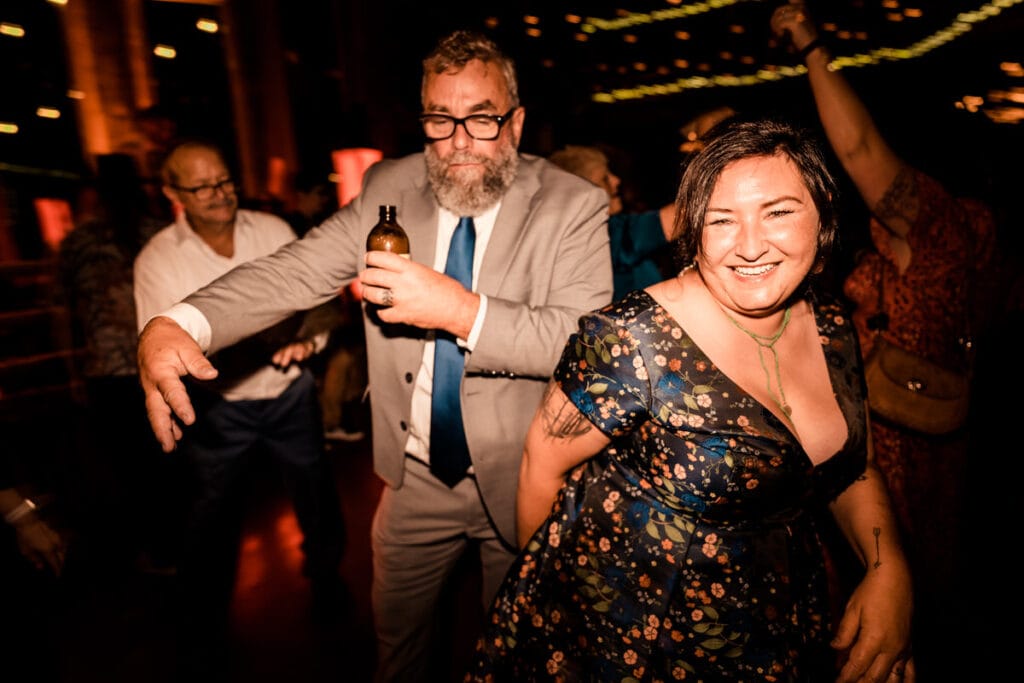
x: 687, y: 549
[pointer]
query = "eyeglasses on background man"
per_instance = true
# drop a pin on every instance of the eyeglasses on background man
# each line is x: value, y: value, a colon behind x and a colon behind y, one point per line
x: 205, y: 192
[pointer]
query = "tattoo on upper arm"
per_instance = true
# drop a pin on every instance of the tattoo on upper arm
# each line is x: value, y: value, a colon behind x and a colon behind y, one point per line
x: 561, y: 419
x: 900, y: 200
x: 878, y: 554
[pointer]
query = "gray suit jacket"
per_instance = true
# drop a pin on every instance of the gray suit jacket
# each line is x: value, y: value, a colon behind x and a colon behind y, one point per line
x: 547, y: 261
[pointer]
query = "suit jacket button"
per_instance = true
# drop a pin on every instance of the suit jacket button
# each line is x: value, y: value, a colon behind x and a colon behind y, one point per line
x: 408, y: 378
x: 404, y: 426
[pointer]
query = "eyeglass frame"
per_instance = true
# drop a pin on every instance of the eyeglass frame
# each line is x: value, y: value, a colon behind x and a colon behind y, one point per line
x: 213, y: 188
x: 501, y: 120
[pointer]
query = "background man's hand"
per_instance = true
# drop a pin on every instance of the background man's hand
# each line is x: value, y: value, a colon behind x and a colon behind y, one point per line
x: 166, y: 353
x: 296, y: 352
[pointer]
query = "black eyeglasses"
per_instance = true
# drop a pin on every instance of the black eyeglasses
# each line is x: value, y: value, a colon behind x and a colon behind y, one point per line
x: 204, y: 192
x: 478, y: 126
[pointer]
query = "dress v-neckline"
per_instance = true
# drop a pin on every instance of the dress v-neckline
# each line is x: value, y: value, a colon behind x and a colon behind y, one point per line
x: 775, y: 421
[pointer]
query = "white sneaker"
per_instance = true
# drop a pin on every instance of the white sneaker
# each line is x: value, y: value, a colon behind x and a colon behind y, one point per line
x: 339, y: 434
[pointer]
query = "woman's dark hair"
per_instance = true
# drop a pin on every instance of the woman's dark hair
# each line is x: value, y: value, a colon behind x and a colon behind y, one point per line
x: 738, y: 138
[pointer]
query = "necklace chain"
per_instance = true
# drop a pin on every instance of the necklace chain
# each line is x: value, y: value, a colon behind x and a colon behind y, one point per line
x: 768, y: 342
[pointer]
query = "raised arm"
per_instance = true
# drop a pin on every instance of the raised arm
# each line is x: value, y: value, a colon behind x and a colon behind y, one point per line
x: 559, y: 439
x: 866, y: 156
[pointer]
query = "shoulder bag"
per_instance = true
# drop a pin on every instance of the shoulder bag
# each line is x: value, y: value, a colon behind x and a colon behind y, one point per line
x: 910, y: 390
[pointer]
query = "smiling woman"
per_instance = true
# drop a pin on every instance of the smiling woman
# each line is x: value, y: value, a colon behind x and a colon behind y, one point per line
x: 670, y: 491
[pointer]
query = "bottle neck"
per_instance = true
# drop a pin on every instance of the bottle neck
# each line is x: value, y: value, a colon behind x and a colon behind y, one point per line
x: 387, y: 214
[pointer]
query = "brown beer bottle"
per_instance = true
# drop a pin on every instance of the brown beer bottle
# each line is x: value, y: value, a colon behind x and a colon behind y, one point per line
x: 388, y: 235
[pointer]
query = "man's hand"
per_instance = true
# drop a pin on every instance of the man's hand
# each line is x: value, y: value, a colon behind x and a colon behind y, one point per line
x: 296, y: 352
x: 166, y: 353
x: 413, y: 294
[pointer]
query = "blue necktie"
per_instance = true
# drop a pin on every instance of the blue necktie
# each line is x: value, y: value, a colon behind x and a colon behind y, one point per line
x: 449, y: 454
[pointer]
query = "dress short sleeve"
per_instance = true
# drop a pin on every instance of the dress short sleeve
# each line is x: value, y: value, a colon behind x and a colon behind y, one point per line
x: 604, y: 375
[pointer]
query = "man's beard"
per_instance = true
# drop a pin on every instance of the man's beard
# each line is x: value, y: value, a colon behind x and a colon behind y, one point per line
x: 465, y: 197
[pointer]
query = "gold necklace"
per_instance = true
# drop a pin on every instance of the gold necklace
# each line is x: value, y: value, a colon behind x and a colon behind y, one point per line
x: 768, y: 342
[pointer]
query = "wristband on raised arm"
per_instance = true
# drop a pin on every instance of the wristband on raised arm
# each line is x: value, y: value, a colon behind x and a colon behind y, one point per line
x: 809, y: 48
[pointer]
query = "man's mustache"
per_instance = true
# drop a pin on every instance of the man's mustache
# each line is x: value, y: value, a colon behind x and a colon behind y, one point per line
x: 464, y: 158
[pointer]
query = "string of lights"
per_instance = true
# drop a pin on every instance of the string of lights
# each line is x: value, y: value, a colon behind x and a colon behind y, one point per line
x: 963, y: 23
x: 633, y: 19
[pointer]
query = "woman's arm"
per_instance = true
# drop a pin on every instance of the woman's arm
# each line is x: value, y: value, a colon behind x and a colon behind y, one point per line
x: 559, y: 438
x: 866, y: 156
x: 875, y: 626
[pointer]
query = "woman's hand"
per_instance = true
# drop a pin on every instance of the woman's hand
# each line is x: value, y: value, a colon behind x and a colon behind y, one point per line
x: 875, y: 629
x: 792, y: 20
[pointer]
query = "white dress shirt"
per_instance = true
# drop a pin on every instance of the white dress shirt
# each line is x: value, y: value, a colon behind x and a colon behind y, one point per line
x: 176, y: 262
x: 418, y: 444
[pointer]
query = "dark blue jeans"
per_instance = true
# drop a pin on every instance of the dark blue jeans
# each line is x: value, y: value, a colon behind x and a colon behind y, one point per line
x: 220, y: 446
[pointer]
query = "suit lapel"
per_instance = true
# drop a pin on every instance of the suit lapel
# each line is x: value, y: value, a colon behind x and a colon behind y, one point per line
x: 509, y: 228
x: 418, y: 215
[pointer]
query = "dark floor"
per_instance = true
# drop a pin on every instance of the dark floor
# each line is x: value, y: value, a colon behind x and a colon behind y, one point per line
x: 106, y: 621
x: 110, y: 623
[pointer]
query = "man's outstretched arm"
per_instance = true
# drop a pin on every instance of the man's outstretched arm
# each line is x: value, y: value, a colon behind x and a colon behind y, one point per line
x: 166, y: 353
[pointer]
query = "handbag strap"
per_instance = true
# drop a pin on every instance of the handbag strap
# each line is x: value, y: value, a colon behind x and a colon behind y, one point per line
x: 879, y: 322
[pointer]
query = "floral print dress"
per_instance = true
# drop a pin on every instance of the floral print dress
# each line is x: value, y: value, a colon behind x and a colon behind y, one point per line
x: 687, y: 549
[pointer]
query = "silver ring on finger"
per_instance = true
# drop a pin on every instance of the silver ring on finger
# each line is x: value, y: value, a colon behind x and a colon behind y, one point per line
x: 387, y: 298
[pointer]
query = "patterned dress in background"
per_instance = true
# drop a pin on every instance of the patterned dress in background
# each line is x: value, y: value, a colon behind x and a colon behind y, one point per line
x: 96, y: 276
x: 688, y: 548
x: 949, y: 290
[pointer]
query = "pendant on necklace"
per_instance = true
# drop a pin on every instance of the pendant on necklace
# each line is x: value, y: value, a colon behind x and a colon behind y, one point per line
x: 768, y: 342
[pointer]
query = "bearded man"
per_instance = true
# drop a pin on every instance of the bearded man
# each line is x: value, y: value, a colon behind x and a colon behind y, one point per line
x: 506, y: 251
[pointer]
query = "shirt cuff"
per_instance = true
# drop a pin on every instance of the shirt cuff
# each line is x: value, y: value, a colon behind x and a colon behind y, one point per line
x: 192, y: 321
x: 478, y: 325
x: 319, y: 341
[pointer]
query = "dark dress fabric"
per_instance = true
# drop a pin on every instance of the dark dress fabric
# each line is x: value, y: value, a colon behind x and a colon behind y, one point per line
x: 688, y: 548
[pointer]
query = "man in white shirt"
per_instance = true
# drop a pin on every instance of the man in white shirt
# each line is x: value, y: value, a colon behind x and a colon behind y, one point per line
x: 263, y: 399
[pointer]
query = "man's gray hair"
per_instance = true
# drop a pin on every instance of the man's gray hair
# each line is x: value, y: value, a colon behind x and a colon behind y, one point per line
x: 457, y: 49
